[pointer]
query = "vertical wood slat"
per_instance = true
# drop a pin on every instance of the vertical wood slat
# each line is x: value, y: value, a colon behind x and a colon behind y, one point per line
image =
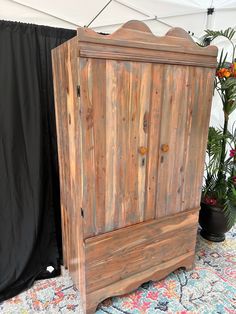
x: 181, y: 123
x: 131, y: 183
x: 193, y: 148
x: 156, y: 95
x: 123, y: 82
x: 111, y: 145
x: 87, y: 120
x: 188, y: 125
x: 98, y: 73
x: 173, y: 123
x: 143, y: 132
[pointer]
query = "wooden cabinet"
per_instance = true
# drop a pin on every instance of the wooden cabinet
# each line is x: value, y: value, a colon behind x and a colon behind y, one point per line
x: 132, y: 114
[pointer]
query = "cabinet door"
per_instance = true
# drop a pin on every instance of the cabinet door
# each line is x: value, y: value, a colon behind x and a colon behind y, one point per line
x: 120, y: 125
x: 143, y: 140
x: 186, y: 104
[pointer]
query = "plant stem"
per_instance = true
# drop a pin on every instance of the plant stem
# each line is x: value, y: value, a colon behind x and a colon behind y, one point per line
x: 223, y: 151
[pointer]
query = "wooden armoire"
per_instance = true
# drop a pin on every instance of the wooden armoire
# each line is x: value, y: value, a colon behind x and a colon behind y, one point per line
x: 132, y: 113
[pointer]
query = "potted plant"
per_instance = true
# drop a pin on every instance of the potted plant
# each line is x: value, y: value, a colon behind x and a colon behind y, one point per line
x: 218, y: 204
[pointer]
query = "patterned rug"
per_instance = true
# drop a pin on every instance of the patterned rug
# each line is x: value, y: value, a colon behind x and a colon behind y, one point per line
x: 208, y: 289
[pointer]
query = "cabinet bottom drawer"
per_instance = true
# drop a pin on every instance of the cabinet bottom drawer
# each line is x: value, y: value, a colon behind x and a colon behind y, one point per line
x: 118, y: 262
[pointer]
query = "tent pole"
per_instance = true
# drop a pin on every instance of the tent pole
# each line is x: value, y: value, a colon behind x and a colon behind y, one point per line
x: 98, y: 14
x: 210, y: 18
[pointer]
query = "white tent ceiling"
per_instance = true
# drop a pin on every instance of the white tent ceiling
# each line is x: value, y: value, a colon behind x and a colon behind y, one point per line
x: 159, y: 15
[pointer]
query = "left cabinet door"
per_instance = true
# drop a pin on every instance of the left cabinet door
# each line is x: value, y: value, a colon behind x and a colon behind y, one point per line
x: 119, y: 140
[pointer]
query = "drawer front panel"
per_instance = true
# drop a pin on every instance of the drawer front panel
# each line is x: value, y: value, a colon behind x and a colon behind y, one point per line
x: 123, y: 253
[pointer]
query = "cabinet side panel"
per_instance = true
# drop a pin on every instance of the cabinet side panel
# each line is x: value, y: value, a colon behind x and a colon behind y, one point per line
x: 58, y: 56
x: 69, y: 148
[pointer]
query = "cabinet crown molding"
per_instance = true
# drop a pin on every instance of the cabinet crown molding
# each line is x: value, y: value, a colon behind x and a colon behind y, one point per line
x: 137, y: 34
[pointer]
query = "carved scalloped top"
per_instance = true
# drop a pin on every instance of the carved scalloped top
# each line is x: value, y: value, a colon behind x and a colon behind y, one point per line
x: 137, y: 34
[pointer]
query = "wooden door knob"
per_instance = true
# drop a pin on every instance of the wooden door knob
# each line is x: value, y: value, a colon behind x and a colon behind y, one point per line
x: 165, y: 148
x: 142, y: 150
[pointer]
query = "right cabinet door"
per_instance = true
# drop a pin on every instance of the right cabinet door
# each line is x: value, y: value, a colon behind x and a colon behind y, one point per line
x: 186, y: 94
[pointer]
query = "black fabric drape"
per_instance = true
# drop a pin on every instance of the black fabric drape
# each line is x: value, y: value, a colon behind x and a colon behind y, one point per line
x: 29, y: 187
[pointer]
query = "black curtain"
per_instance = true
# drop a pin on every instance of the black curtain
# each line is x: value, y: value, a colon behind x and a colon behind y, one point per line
x: 30, y: 238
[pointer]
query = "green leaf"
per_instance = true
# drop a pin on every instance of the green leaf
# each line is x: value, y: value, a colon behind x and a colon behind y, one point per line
x: 229, y: 88
x: 211, y: 35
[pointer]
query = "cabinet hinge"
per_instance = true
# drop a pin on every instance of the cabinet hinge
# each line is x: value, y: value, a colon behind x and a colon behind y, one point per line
x: 78, y: 90
x: 82, y: 212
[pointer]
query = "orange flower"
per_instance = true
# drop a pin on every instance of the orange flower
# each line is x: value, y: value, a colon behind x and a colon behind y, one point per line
x: 227, y: 73
x: 223, y: 72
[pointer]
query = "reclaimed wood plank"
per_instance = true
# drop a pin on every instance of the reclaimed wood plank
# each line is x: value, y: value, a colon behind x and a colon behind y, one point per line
x: 129, y: 284
x: 62, y: 140
x: 153, y: 140
x: 98, y: 73
x: 132, y: 138
x: 132, y: 250
x: 111, y: 145
x: 123, y: 84
x: 87, y: 120
x: 142, y: 133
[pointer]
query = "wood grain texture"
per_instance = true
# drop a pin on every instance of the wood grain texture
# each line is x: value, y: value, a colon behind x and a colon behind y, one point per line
x: 131, y: 250
x: 156, y: 98
x: 172, y: 135
x: 65, y: 73
x: 114, y: 133
x: 144, y: 55
x: 200, y: 103
x: 132, y: 114
x: 62, y: 141
x: 129, y: 284
x: 134, y: 41
x: 137, y: 34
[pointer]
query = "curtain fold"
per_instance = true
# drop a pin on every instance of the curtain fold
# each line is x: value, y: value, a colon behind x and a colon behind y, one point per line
x: 30, y: 238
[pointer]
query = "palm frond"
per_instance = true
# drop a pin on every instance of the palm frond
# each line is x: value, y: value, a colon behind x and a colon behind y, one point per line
x: 228, y: 33
x: 222, y: 60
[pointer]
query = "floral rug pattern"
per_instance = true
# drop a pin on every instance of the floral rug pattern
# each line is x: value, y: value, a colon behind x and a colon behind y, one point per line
x: 210, y: 288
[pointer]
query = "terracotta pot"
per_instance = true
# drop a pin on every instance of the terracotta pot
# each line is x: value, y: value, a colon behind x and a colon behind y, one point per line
x: 213, y: 222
